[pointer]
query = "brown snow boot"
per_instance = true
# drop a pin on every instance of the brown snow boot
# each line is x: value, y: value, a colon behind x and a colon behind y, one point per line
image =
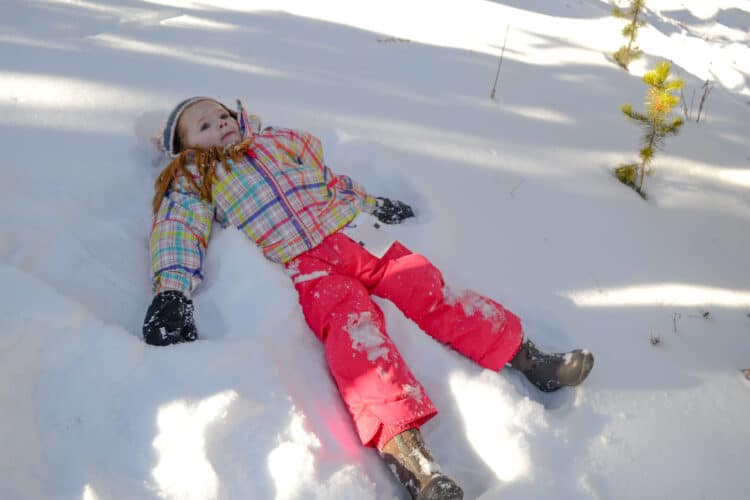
x: 411, y: 462
x: 551, y: 371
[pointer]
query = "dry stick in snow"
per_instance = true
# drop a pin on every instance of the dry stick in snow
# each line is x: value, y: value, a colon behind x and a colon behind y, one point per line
x: 686, y: 110
x: 707, y: 87
x: 502, y: 53
x: 513, y: 191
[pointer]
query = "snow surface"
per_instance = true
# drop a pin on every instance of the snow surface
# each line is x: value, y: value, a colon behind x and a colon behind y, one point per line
x: 515, y: 199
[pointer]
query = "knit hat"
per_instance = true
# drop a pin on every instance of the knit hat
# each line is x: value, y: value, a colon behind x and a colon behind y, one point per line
x: 169, y: 134
x: 168, y: 141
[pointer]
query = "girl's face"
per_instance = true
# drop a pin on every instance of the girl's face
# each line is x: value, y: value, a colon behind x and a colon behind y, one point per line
x: 208, y: 123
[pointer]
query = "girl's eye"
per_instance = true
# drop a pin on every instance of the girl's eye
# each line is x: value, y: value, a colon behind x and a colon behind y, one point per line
x: 204, y: 127
x: 224, y: 116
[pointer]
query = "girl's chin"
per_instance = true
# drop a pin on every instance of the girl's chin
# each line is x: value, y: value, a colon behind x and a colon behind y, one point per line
x: 231, y: 140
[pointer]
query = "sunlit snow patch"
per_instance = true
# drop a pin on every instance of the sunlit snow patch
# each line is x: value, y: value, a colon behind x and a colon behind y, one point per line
x: 186, y: 21
x: 496, y: 425
x: 183, y: 470
x: 659, y: 294
x: 292, y: 462
x: 88, y: 493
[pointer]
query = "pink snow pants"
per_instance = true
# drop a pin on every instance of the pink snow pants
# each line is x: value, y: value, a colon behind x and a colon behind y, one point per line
x: 334, y: 281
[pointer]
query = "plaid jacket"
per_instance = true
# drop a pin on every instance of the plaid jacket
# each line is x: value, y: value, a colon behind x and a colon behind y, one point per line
x: 282, y: 196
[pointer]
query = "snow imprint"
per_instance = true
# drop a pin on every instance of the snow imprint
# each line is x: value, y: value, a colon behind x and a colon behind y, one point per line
x: 365, y: 336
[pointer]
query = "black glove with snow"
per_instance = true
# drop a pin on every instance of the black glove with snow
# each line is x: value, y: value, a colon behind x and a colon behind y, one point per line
x: 392, y: 212
x: 169, y: 319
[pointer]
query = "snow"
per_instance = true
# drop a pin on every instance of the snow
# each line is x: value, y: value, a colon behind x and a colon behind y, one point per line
x: 301, y: 278
x: 366, y: 337
x: 413, y: 391
x: 472, y: 303
x: 427, y: 467
x: 515, y: 200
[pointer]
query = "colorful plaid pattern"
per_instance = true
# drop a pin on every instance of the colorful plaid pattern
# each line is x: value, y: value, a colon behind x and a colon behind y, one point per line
x: 282, y: 196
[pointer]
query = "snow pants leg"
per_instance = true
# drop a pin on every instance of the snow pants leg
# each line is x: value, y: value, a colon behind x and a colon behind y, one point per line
x: 334, y: 281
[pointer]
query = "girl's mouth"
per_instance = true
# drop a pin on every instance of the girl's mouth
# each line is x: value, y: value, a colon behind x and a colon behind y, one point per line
x: 225, y: 136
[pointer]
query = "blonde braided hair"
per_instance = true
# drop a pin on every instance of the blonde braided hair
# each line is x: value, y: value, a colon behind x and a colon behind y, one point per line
x: 205, y: 160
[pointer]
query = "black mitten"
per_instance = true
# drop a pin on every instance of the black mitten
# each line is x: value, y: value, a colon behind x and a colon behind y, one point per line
x: 392, y: 212
x: 169, y: 319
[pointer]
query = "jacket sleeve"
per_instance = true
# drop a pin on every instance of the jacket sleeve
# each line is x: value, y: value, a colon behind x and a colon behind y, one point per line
x: 306, y: 149
x: 179, y: 237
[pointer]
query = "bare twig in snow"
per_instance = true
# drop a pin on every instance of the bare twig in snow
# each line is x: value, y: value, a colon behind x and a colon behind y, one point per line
x: 512, y: 192
x: 500, y: 64
x: 707, y: 87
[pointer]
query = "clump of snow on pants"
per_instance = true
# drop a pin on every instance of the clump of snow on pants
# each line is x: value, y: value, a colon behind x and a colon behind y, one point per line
x: 309, y: 277
x: 413, y: 392
x: 292, y: 268
x: 365, y: 336
x: 473, y: 303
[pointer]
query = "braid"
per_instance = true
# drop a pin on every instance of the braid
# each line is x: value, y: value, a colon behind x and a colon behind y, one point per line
x: 205, y: 160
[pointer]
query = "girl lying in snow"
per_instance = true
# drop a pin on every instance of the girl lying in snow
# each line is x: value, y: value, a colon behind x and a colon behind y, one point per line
x: 276, y: 188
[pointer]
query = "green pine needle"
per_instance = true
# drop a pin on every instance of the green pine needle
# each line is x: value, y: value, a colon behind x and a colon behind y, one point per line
x: 627, y: 173
x: 675, y: 84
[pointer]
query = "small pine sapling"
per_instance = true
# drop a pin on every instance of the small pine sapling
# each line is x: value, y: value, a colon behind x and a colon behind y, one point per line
x: 657, y: 122
x: 628, y: 52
